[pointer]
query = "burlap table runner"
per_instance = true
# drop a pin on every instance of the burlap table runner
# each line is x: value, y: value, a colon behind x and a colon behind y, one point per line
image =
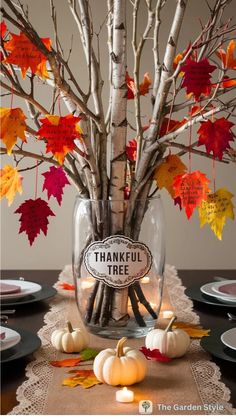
x: 190, y: 385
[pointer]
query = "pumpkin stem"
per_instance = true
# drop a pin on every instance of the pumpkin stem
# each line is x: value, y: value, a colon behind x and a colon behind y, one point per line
x: 119, y: 347
x: 69, y: 326
x: 169, y: 327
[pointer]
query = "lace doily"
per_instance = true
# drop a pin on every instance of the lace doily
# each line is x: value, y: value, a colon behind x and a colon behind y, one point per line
x: 32, y: 394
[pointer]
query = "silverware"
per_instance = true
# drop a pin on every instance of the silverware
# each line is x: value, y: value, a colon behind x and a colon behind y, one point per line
x: 7, y: 311
x: 231, y: 317
x: 218, y: 278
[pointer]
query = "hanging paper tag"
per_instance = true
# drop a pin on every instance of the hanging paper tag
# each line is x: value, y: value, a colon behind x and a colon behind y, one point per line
x: 118, y: 261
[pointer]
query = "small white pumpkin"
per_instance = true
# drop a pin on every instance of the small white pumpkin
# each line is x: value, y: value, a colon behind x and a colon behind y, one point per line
x: 120, y: 366
x: 172, y: 343
x: 70, y: 340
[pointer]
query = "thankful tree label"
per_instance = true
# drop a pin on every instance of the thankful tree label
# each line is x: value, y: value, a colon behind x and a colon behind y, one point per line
x: 118, y: 261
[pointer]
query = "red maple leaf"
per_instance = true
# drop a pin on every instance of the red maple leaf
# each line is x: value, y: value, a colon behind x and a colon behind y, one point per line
x: 197, y: 77
x: 216, y: 135
x: 143, y: 87
x: 24, y: 54
x: 3, y: 29
x: 60, y: 133
x: 131, y: 150
x: 192, y: 189
x: 34, y: 217
x: 170, y: 125
x: 154, y: 355
x: 54, y: 183
x: 67, y: 286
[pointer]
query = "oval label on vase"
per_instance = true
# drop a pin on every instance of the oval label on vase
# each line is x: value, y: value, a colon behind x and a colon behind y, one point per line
x: 117, y: 261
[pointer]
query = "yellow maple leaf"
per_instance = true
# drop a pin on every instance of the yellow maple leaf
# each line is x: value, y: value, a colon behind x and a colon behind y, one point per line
x: 165, y: 173
x: 193, y: 330
x: 10, y: 183
x: 215, y: 210
x: 12, y: 122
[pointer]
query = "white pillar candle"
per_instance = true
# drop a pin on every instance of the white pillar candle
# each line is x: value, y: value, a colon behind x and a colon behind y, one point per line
x: 124, y: 395
x: 167, y: 314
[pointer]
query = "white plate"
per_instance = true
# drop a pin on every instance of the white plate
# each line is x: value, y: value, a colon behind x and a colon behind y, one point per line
x: 222, y: 283
x: 229, y: 338
x: 208, y: 290
x: 26, y: 289
x: 11, y: 338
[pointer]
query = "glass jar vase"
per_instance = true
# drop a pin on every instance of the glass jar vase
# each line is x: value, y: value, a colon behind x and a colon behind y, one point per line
x: 118, y: 264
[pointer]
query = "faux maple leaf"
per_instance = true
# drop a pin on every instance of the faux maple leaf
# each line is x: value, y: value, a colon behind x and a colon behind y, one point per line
x: 24, y: 54
x: 227, y: 57
x: 216, y: 135
x: 54, y: 183
x: 197, y: 77
x: 60, y: 133
x: 12, y: 123
x: 143, y: 87
x: 154, y: 355
x: 67, y: 286
x: 165, y: 173
x: 193, y: 330
x: 131, y: 150
x: 3, y: 29
x: 170, y: 125
x: 215, y: 210
x: 192, y: 188
x: 34, y: 217
x: 179, y: 57
x: 85, y: 355
x: 83, y: 378
x: 10, y: 183
x: 177, y: 201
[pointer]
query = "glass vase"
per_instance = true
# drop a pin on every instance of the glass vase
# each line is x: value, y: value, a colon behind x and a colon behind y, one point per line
x: 118, y: 264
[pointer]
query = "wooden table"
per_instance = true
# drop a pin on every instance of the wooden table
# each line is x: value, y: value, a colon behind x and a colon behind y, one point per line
x: 30, y: 317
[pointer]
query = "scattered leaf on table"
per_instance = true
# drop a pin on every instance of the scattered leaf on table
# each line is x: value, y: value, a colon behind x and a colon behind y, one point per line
x: 154, y: 355
x: 54, y: 183
x: 67, y: 286
x: 24, y: 54
x: 34, y: 217
x: 216, y: 209
x: 10, y: 183
x: 216, y: 135
x: 143, y: 87
x: 83, y: 378
x: 165, y: 173
x: 197, y: 77
x: 67, y: 362
x: 88, y: 353
x: 193, y: 330
x: 192, y: 188
x: 12, y: 123
x: 227, y: 57
x: 60, y: 133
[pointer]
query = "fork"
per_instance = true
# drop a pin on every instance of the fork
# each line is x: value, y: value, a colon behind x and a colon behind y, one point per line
x: 231, y: 317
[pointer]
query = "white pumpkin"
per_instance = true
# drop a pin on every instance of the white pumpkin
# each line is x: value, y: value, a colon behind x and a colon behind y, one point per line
x: 172, y: 343
x: 70, y: 340
x: 120, y: 366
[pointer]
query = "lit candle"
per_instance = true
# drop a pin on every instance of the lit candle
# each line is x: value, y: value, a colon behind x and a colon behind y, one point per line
x: 167, y: 314
x: 85, y: 284
x: 145, y: 280
x: 124, y: 395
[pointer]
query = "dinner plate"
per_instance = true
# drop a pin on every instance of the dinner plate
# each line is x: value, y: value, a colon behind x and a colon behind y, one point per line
x: 196, y: 295
x: 11, y: 338
x: 45, y: 293
x: 225, y: 288
x: 214, y: 346
x: 28, y: 344
x: 26, y: 289
x: 208, y: 290
x: 229, y: 338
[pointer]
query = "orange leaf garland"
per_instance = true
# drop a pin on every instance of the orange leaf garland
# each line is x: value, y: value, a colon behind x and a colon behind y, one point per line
x: 10, y: 183
x: 60, y: 133
x: 192, y: 188
x: 12, y: 123
x: 227, y: 57
x: 216, y: 135
x: 165, y: 173
x: 24, y: 54
x: 197, y: 77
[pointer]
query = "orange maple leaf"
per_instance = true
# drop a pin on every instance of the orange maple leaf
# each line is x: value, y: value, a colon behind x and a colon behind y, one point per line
x: 84, y: 378
x: 68, y: 362
x: 67, y: 286
x: 12, y: 122
x: 165, y: 173
x: 192, y: 188
x: 227, y: 57
x: 10, y: 183
x: 24, y: 54
x: 143, y: 87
